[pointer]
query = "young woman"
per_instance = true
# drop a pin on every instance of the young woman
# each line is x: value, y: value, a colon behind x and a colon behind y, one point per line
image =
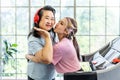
x: 66, y: 52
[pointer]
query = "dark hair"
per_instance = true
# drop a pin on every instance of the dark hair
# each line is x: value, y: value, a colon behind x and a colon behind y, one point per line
x: 38, y: 17
x: 72, y: 24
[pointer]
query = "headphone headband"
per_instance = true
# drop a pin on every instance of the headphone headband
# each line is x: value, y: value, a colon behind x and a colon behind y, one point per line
x: 36, y: 17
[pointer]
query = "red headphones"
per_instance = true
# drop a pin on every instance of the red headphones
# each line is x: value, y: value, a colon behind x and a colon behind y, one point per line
x: 36, y: 17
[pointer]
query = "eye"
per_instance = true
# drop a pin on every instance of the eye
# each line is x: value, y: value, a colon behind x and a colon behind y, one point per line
x: 46, y: 18
x: 52, y: 19
x: 61, y: 23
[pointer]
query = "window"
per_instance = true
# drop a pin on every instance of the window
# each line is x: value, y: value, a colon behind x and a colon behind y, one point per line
x: 98, y: 23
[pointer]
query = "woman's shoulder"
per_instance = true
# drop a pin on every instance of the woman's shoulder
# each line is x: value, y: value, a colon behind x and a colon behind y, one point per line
x: 64, y: 42
x: 34, y: 39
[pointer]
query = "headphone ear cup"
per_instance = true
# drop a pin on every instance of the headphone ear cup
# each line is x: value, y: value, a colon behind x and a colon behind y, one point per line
x: 36, y: 18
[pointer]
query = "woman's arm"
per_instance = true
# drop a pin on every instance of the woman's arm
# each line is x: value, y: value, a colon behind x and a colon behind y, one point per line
x: 44, y: 55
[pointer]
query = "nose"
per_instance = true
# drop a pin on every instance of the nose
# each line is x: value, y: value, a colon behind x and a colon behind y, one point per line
x: 49, y: 21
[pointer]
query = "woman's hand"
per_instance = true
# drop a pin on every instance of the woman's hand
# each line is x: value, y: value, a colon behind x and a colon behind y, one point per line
x: 27, y: 57
x: 43, y: 33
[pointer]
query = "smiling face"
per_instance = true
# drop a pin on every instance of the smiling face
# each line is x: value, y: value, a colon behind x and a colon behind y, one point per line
x: 47, y: 21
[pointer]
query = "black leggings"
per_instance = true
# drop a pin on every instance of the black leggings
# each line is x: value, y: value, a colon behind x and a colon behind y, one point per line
x: 29, y: 78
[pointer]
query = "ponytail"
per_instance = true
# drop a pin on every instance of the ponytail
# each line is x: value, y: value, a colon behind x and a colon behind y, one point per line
x: 76, y: 47
x: 72, y: 30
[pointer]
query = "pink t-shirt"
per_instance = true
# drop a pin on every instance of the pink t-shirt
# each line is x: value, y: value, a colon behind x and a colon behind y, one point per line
x: 65, y: 57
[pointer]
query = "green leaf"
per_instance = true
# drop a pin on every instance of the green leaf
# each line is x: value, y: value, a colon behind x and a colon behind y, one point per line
x: 14, y: 45
x: 6, y: 44
x: 13, y: 49
x: 5, y: 59
x: 9, y: 53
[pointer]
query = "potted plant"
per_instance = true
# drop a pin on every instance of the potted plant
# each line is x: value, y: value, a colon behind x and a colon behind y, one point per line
x: 8, y: 51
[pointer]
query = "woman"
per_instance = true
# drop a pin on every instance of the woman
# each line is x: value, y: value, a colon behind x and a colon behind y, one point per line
x: 44, y: 70
x: 66, y: 52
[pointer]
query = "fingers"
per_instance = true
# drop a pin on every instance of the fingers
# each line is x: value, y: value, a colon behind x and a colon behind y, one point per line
x: 42, y: 32
x: 26, y: 57
x: 37, y: 29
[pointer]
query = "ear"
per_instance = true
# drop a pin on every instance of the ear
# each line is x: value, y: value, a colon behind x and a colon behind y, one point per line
x: 66, y: 32
x: 69, y: 30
